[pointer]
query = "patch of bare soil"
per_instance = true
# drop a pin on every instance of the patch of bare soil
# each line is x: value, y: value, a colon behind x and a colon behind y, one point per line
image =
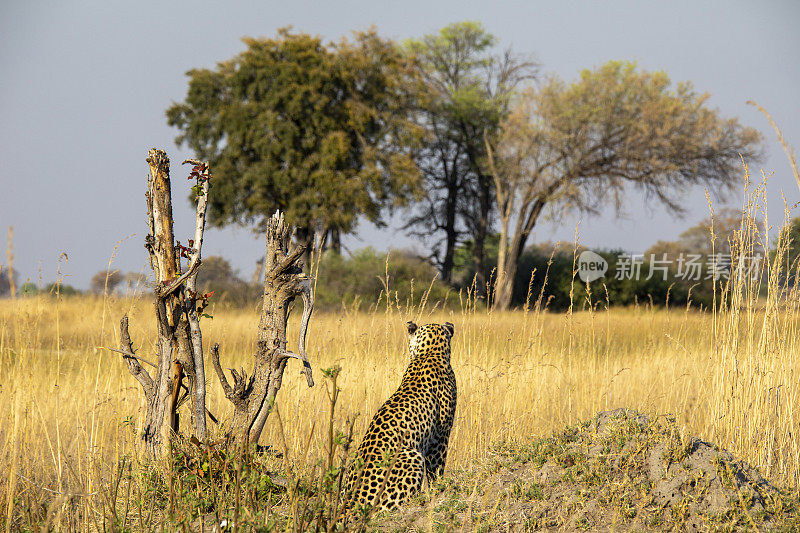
x: 621, y: 471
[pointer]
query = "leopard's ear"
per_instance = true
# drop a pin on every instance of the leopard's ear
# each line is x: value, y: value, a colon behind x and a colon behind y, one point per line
x: 411, y: 327
x: 450, y: 328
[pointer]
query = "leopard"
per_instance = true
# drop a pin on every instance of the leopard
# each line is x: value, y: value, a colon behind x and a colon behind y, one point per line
x: 406, y: 442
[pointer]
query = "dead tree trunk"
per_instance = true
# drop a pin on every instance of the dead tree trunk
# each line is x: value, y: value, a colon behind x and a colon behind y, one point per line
x: 284, y: 281
x: 177, y: 308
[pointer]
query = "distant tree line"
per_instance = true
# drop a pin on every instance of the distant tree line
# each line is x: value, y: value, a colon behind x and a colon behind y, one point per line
x: 547, y: 276
x: 470, y: 141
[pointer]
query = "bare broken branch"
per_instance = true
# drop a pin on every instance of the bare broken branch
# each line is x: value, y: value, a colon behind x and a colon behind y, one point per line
x: 129, y: 354
x: 175, y: 285
x: 134, y: 367
x: 226, y: 387
x: 308, y: 308
x: 237, y: 394
x: 290, y: 260
x: 306, y: 364
x: 199, y: 399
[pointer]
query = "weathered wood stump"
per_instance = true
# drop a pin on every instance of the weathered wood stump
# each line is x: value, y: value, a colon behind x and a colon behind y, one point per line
x: 177, y: 309
x: 284, y: 281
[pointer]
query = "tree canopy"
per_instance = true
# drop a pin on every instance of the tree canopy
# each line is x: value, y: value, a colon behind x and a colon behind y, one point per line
x: 583, y: 145
x: 463, y: 87
x: 314, y: 130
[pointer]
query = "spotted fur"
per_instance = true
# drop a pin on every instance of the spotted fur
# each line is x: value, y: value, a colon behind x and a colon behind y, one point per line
x: 409, y: 433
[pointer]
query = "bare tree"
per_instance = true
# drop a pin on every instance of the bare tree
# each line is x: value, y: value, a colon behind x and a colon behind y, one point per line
x: 177, y: 309
x: 581, y: 146
x: 284, y: 281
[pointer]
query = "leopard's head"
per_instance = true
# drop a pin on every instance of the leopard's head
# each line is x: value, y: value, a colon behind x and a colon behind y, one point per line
x: 429, y: 337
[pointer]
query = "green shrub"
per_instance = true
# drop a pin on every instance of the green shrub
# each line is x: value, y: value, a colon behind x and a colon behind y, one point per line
x: 61, y: 289
x: 547, y: 259
x: 28, y: 289
x: 361, y: 280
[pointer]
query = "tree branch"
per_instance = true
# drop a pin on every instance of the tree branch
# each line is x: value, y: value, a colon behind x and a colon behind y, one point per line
x: 308, y: 308
x: 175, y: 285
x: 290, y: 259
x: 236, y: 394
x: 220, y: 374
x: 130, y: 354
x: 199, y: 399
x: 134, y: 367
x: 285, y: 354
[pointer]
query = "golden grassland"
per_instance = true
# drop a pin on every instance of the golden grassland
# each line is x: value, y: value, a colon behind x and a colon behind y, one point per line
x: 70, y: 413
x: 69, y: 409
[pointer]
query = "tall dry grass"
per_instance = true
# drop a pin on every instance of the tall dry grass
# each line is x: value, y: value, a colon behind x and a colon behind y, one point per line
x: 70, y: 412
x: 754, y: 384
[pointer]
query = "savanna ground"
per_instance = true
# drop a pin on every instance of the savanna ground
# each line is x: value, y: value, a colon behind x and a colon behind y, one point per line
x: 527, y: 450
x: 71, y: 411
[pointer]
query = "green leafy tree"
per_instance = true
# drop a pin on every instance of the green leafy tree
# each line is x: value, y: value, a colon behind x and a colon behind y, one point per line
x: 700, y: 244
x: 362, y: 280
x: 28, y: 289
x: 463, y: 87
x: 698, y: 239
x: 583, y: 145
x: 547, y: 277
x: 61, y: 289
x: 317, y: 131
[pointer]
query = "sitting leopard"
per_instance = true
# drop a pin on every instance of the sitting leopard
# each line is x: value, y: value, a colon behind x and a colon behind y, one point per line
x: 411, y: 430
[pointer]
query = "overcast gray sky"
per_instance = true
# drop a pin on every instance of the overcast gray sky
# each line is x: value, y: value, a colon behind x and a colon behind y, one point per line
x: 84, y: 86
